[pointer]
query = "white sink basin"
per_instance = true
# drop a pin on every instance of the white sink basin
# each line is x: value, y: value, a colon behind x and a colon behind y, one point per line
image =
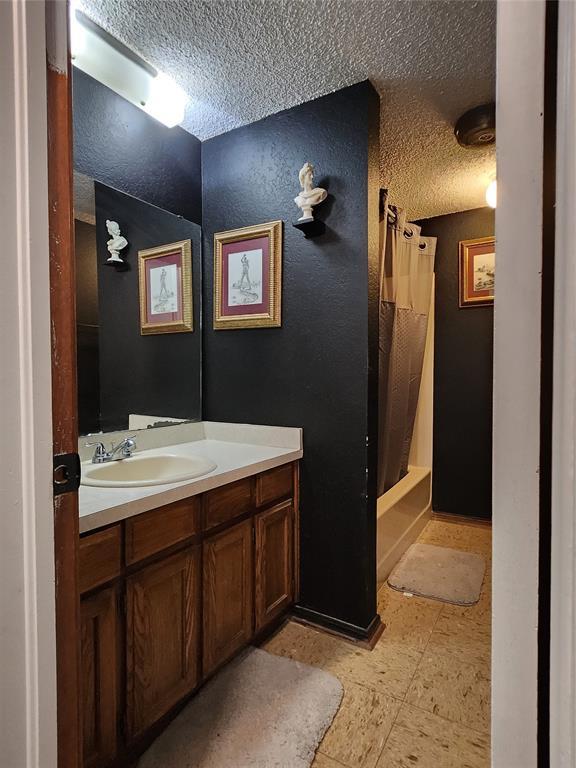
x: 145, y: 470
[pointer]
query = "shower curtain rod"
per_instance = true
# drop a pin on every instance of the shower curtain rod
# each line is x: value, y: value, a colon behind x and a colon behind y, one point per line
x: 390, y: 211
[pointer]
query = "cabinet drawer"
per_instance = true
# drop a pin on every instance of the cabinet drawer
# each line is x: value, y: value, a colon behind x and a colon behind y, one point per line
x: 274, y: 485
x: 226, y: 503
x: 99, y: 557
x: 161, y: 528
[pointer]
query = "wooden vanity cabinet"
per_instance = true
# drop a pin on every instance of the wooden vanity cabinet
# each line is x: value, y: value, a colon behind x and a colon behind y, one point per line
x: 99, y: 678
x: 228, y: 594
x: 274, y: 535
x: 170, y: 595
x: 162, y: 638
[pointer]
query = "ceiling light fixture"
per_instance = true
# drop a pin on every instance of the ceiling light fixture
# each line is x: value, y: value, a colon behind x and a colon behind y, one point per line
x: 107, y: 60
x: 492, y: 194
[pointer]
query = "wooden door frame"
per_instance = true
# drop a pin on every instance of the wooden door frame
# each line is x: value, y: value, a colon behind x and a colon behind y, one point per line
x: 64, y: 392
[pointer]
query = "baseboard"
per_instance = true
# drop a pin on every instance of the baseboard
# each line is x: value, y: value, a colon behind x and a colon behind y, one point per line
x: 447, y: 517
x: 365, y: 636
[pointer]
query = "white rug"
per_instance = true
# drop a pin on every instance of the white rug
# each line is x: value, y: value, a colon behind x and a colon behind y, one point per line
x: 444, y: 574
x: 260, y: 711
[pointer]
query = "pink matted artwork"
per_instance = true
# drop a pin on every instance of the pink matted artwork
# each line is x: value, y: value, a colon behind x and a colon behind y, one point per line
x: 247, y: 277
x: 166, y: 288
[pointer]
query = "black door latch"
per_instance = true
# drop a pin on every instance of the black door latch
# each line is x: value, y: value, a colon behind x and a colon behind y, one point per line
x: 66, y: 473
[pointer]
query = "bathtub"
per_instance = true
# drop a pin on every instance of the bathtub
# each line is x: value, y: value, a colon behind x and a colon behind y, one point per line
x: 403, y: 511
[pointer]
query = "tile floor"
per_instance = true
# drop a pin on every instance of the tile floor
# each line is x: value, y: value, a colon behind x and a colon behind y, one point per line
x: 421, y: 698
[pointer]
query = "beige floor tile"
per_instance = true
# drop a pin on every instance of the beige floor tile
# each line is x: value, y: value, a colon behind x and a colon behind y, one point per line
x: 467, y: 537
x: 463, y: 639
x: 409, y: 620
x: 301, y: 643
x: 388, y: 668
x: 323, y: 761
x: 480, y: 612
x: 361, y: 727
x: 459, y: 692
x: 427, y: 741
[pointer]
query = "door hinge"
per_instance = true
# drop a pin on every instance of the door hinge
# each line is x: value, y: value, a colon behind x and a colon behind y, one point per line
x: 65, y: 473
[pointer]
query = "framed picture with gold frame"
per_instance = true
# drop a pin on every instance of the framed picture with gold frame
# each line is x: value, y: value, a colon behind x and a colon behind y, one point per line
x: 165, y: 282
x: 248, y: 277
x: 477, y: 267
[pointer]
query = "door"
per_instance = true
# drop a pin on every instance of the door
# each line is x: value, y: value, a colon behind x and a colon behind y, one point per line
x: 162, y: 637
x: 99, y: 676
x: 64, y: 400
x: 228, y: 594
x: 274, y: 563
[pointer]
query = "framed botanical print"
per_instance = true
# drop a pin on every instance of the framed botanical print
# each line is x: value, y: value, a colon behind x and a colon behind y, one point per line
x: 247, y: 277
x: 477, y: 266
x: 165, y: 280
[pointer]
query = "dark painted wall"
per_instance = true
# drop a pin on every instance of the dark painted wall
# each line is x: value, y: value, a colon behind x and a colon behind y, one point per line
x: 121, y: 146
x: 317, y: 370
x: 156, y: 374
x: 87, y: 330
x: 462, y: 473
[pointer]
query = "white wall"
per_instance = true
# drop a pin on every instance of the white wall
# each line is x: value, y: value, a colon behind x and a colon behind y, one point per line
x: 27, y: 634
x: 563, y: 598
x: 520, y: 74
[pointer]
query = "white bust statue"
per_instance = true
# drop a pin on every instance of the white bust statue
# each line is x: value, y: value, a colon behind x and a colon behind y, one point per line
x: 310, y: 195
x: 116, y: 243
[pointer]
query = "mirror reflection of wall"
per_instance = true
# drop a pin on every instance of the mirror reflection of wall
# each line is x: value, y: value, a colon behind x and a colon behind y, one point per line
x: 127, y: 380
x: 87, y: 327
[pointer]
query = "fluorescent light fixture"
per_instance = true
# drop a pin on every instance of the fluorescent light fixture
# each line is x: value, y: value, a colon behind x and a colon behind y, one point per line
x: 491, y: 194
x: 166, y: 101
x: 110, y: 62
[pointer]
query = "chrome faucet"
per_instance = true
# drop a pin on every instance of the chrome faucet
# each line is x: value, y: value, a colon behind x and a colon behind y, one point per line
x: 123, y: 450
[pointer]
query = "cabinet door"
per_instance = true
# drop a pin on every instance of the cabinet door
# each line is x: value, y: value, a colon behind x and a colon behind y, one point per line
x: 274, y: 563
x: 162, y: 631
x: 99, y: 660
x: 228, y: 594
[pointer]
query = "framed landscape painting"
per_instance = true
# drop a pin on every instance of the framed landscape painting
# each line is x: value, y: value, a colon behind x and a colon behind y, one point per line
x: 247, y: 277
x: 165, y: 282
x: 477, y: 270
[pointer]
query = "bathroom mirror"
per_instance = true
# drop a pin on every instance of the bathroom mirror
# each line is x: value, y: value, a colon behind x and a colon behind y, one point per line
x: 134, y: 371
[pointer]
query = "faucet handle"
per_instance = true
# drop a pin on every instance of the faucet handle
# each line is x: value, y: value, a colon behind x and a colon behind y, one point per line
x: 100, y: 451
x: 127, y: 445
x: 99, y: 446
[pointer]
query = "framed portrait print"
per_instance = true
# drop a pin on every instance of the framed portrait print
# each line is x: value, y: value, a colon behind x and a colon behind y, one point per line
x: 247, y: 277
x: 477, y: 267
x: 165, y: 281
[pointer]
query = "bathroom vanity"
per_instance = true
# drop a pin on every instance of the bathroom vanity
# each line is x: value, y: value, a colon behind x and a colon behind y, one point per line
x: 188, y: 529
x: 170, y: 594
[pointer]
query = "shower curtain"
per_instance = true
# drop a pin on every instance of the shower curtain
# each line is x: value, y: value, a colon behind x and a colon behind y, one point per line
x: 406, y: 275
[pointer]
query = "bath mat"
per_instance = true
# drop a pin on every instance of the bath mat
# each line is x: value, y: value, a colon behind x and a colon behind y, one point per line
x: 261, y: 711
x: 443, y: 574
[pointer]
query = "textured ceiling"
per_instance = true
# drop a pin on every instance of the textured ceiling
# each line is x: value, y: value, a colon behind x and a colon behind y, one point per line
x: 240, y: 60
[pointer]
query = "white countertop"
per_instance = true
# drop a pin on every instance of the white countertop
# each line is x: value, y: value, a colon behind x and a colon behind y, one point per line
x: 268, y: 447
